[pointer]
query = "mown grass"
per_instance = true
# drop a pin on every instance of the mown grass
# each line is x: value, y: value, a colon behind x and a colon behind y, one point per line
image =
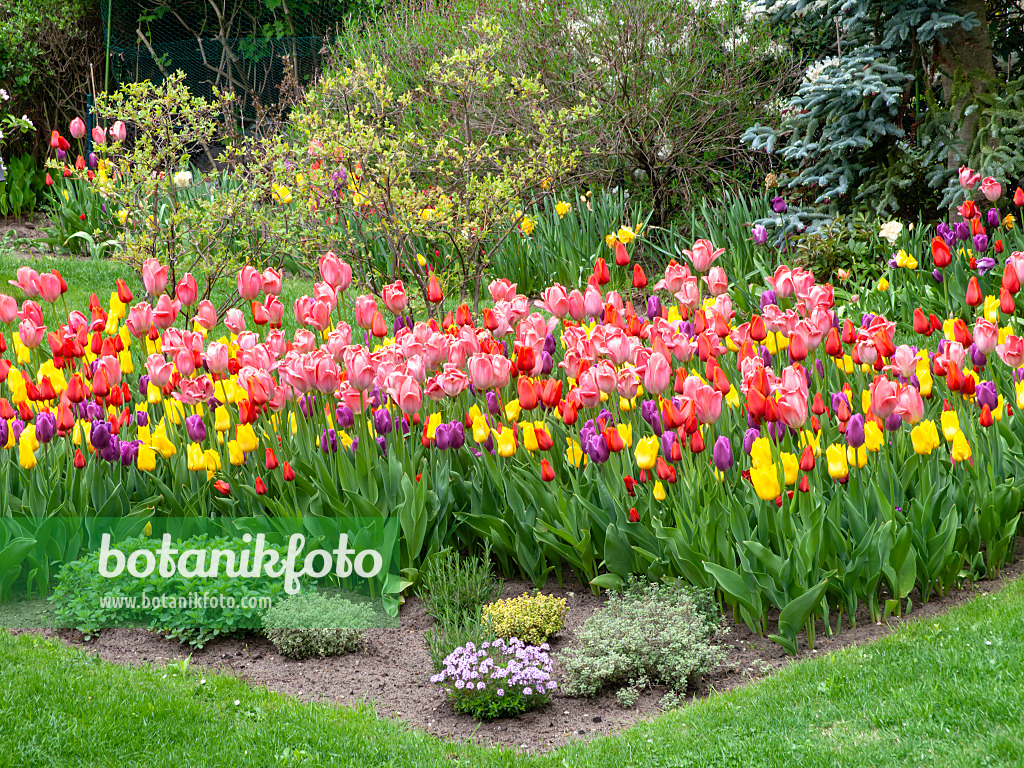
x: 939, y: 692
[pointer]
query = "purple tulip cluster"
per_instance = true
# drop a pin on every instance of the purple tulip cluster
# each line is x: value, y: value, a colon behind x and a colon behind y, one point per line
x: 499, y: 677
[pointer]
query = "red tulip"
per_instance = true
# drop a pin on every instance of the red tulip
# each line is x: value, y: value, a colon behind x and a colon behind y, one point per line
x: 261, y: 487
x: 630, y: 485
x: 434, y: 294
x: 222, y: 488
x: 288, y: 472
x: 49, y: 180
x: 621, y: 257
x: 639, y: 278
x: 79, y: 460
x: 807, y: 459
x: 974, y: 295
x: 941, y: 255
x: 1006, y: 303
x: 270, y: 459
x: 601, y: 275
x: 547, y: 474
x: 921, y: 324
x: 1018, y: 197
x: 634, y: 516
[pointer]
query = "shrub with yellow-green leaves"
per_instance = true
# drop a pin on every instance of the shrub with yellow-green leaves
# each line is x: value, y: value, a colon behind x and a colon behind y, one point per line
x: 531, y: 618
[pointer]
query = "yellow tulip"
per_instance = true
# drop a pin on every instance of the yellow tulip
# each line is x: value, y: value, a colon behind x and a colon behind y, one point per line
x: 626, y: 433
x: 529, y: 436
x: 147, y: 458
x: 164, y: 446
x: 950, y: 425
x: 766, y: 482
x: 432, y: 424
x: 659, y: 491
x: 481, y: 429
x: 873, y: 437
x: 246, y: 437
x: 838, y: 467
x: 574, y: 453
x: 221, y: 419
x: 513, y: 409
x: 790, y: 467
x: 195, y: 458
x: 646, y: 452
x: 761, y: 452
x: 235, y: 455
x: 26, y: 457
x: 506, y: 443
x: 856, y: 457
x: 925, y: 380
x: 925, y: 438
x: 961, y: 448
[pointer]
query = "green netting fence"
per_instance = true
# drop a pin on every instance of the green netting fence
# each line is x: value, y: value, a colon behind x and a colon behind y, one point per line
x: 246, y: 46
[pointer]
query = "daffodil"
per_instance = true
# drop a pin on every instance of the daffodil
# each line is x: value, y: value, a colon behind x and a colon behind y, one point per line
x: 562, y: 208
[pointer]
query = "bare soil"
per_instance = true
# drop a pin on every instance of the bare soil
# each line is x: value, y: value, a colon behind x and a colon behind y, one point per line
x: 392, y: 672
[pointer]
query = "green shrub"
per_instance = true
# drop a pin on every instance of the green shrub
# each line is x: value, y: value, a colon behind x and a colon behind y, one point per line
x: 314, y: 625
x: 531, y: 618
x: 454, y: 589
x: 193, y: 610
x: 651, y: 634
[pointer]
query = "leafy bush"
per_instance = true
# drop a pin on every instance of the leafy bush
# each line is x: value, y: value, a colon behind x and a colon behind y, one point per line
x: 498, y: 679
x: 650, y: 634
x: 531, y: 618
x: 315, y: 625
x: 192, y: 610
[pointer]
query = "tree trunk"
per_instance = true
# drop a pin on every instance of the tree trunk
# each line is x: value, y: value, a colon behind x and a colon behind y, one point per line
x: 969, y: 53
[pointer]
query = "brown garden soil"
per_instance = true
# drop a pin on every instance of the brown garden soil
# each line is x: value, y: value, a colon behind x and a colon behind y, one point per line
x: 393, y: 670
x: 18, y: 235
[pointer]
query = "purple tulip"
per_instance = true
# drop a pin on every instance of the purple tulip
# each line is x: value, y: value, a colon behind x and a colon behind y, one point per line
x: 722, y: 454
x: 993, y: 217
x: 493, y: 406
x: 94, y: 160
x: 546, y: 363
x: 442, y: 438
x: 99, y: 435
x: 779, y: 205
x: 937, y: 275
x: 4, y: 432
x: 344, y: 416
x: 329, y: 441
x: 46, y: 427
x: 893, y: 422
x: 768, y: 298
x: 962, y: 230
x: 855, y: 431
x: 668, y: 440
x: 987, y: 395
x: 653, y: 307
x: 456, y: 435
x: 549, y: 344
x: 141, y: 419
x: 980, y: 242
x: 196, y: 428
x: 382, y: 422
x: 978, y: 358
x: 759, y: 234
x: 597, y: 449
x: 985, y: 264
x: 129, y: 452
x: 143, y: 384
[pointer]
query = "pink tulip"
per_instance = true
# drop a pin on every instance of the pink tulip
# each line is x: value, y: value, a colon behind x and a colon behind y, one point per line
x: 249, y: 283
x: 555, y: 300
x: 883, y: 397
x: 112, y: 368
x: 991, y: 189
x: 593, y: 304
x: 658, y: 374
x: 320, y: 315
x: 8, y: 308
x: 782, y: 282
x: 217, y: 357
x: 166, y: 312
x: 305, y: 341
x: 577, y: 308
x: 717, y: 281
x: 707, y: 405
x: 49, y: 287
x: 502, y: 290
x: 366, y: 308
x: 1011, y: 351
x: 30, y: 310
x: 452, y: 381
x: 77, y: 128
x: 326, y: 374
x: 588, y: 393
x: 703, y: 255
x: 154, y: 277
x: 235, y: 320
x: 184, y: 362
x: 394, y: 297
x: 272, y: 281
x: 405, y: 391
x: 187, y: 290
x: 360, y: 368
x: 335, y: 272
x: 605, y: 376
x: 909, y: 405
x: 99, y: 135
x: 481, y: 372
x: 28, y: 281
x: 967, y: 177
x: 118, y: 131
x: 206, y: 315
x: 275, y: 309
x: 159, y: 370
x: 627, y: 383
x: 904, y: 361
x: 31, y: 335
x: 986, y: 336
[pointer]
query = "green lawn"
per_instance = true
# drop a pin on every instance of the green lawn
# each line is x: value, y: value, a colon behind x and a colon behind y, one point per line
x: 941, y: 692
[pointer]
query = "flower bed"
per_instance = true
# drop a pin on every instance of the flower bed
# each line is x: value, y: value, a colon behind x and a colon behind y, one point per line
x: 798, y: 457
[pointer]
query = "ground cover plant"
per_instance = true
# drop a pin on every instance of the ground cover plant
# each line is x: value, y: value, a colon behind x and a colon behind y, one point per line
x: 531, y: 618
x: 842, y: 709
x: 316, y: 625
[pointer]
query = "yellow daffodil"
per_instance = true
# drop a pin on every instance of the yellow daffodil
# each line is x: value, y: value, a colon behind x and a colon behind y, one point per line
x: 562, y: 208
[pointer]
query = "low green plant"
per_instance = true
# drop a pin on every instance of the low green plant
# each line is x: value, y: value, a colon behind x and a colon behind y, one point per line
x: 651, y: 634
x: 531, y: 618
x: 22, y: 186
x: 192, y: 610
x: 454, y: 590
x: 315, y: 625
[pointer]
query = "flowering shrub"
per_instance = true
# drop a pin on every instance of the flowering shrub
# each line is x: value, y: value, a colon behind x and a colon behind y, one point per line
x: 531, y: 618
x: 498, y: 679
